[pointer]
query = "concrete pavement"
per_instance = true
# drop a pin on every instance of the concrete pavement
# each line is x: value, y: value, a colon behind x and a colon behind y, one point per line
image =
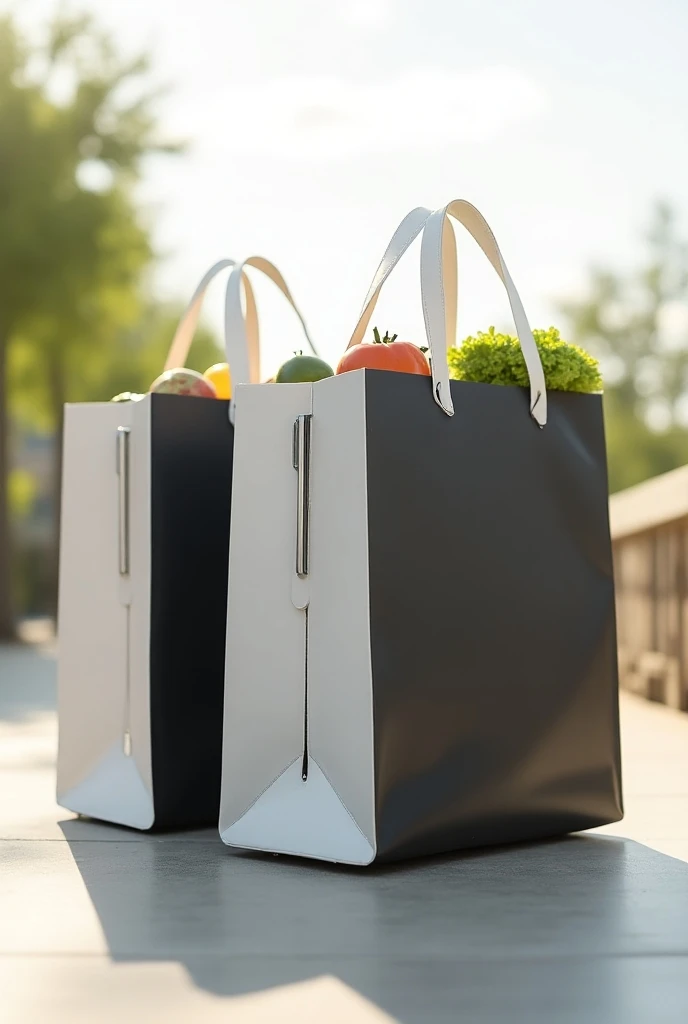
x: 103, y: 924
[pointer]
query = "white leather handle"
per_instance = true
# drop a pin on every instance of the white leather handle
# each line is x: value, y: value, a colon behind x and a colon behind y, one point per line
x: 406, y: 233
x: 181, y: 343
x: 436, y: 269
x: 241, y: 328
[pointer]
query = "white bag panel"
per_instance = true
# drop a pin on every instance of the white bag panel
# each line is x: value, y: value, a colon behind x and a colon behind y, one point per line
x: 141, y: 512
x: 340, y: 687
x: 266, y: 804
x: 114, y: 791
x: 302, y: 819
x: 92, y: 672
x: 265, y: 660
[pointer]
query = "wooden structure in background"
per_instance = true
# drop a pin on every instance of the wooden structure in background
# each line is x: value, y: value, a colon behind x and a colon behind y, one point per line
x: 649, y: 526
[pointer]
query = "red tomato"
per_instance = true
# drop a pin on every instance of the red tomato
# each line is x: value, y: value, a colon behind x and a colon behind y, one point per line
x: 385, y: 354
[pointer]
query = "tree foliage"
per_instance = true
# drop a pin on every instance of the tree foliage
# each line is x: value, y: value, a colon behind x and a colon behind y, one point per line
x: 637, y: 324
x: 131, y: 362
x: 76, y: 122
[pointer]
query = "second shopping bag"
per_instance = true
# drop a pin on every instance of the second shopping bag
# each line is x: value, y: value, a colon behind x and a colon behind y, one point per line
x: 143, y: 588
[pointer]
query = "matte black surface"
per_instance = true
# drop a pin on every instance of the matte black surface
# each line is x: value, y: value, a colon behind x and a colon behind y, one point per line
x: 492, y: 617
x: 191, y: 452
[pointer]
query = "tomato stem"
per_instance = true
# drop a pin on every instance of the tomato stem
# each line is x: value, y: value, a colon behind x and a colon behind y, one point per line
x: 383, y: 341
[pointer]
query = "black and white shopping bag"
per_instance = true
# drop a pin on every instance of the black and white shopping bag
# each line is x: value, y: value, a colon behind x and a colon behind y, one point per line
x: 143, y: 591
x: 421, y: 636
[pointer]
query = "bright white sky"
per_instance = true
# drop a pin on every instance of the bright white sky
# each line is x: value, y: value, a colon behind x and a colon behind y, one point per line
x: 317, y: 124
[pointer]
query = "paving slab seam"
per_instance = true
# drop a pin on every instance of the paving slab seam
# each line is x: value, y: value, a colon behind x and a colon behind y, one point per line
x: 115, y: 839
x: 120, y: 958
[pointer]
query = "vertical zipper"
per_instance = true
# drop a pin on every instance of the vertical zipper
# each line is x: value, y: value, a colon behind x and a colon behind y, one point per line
x: 301, y: 459
x: 304, y: 763
x: 126, y: 732
x: 123, y: 435
x: 123, y: 482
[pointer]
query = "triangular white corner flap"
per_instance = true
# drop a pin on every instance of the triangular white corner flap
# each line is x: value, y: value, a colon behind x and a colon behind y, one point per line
x: 305, y: 819
x: 113, y: 791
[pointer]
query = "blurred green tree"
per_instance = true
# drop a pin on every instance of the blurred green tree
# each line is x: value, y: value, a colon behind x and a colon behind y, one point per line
x: 134, y: 357
x: 130, y: 363
x: 139, y: 356
x: 76, y: 122
x: 636, y: 323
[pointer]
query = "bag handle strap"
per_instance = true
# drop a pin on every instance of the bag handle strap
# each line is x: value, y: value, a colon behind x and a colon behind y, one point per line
x: 439, y: 292
x: 405, y: 234
x: 181, y: 343
x: 436, y: 269
x: 241, y: 328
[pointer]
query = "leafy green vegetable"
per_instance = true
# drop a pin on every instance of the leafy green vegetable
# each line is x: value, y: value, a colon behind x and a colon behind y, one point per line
x: 492, y: 358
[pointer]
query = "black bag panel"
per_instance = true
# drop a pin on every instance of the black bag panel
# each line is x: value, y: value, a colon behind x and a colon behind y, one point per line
x: 577, y: 472
x: 493, y: 633
x: 191, y: 478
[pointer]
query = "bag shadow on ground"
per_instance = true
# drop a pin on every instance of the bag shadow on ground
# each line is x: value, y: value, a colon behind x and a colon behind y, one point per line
x: 510, y: 931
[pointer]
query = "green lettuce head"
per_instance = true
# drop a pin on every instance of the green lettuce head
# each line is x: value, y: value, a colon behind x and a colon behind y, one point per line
x: 491, y: 358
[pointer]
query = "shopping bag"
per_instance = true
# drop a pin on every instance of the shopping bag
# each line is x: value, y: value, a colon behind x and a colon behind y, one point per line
x: 421, y: 648
x: 142, y: 595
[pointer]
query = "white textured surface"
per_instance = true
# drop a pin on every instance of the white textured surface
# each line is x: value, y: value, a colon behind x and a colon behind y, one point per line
x: 94, y: 656
x: 113, y: 791
x: 265, y: 675
x: 303, y: 819
x: 340, y: 673
x: 263, y: 712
